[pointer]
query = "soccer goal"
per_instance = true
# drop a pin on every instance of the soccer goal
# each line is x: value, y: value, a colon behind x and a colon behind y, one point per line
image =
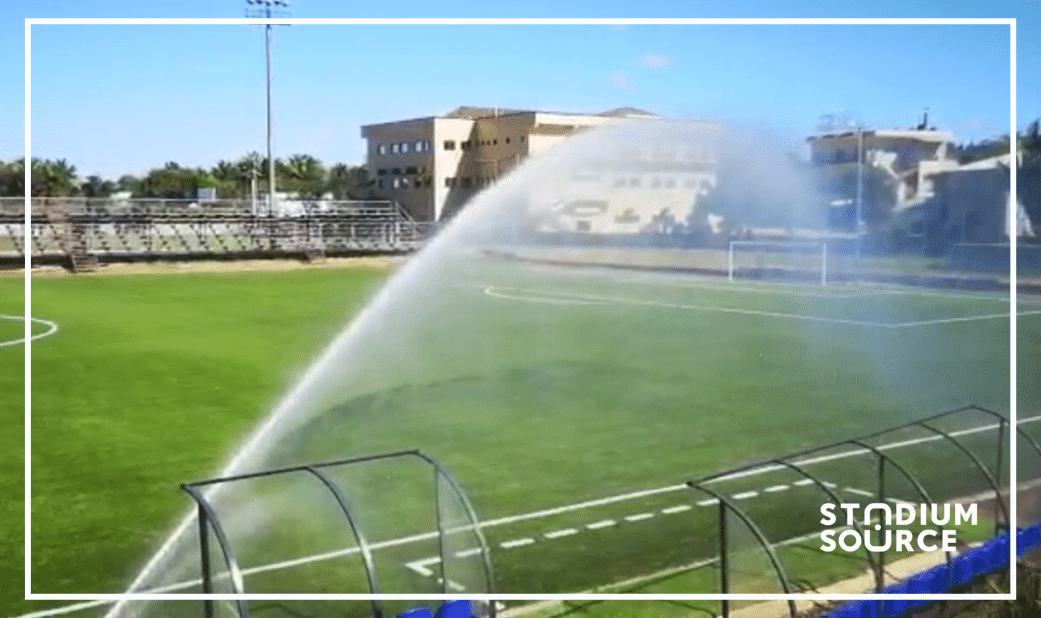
x: 778, y: 260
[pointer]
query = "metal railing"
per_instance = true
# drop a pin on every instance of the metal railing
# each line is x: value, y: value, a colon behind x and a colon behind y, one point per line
x: 889, y: 474
x: 113, y: 229
x: 448, y: 496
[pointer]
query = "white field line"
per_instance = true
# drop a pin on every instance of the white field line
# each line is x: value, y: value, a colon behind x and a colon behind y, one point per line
x: 764, y: 288
x: 53, y: 329
x: 556, y: 534
x: 540, y: 296
x: 884, y: 289
x: 676, y: 509
x: 466, y: 553
x: 604, y: 523
x: 971, y: 318
x: 639, y: 516
x: 859, y: 492
x: 752, y: 290
x: 999, y: 297
x: 420, y: 566
x: 517, y: 543
x: 554, y: 511
x: 651, y: 303
x: 541, y: 299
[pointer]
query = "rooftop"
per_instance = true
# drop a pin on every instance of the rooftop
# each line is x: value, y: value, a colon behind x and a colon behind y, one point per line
x: 470, y: 112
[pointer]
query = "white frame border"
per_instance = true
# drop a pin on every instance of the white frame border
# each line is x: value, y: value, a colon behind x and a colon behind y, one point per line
x: 106, y: 598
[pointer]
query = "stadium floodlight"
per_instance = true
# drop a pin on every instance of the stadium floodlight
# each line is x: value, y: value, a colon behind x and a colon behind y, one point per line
x: 789, y: 259
x: 267, y: 9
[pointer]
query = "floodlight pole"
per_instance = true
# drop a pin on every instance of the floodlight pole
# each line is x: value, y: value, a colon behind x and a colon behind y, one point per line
x: 860, y: 186
x: 266, y: 9
x: 270, y: 159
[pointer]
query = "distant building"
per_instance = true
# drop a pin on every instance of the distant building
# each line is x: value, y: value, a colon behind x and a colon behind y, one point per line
x: 971, y: 203
x: 909, y: 157
x: 432, y: 166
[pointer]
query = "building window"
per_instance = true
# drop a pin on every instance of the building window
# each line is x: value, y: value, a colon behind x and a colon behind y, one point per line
x: 448, y: 181
x: 411, y: 170
x: 419, y: 146
x: 394, y: 149
x: 426, y: 183
x: 522, y: 138
x: 449, y: 144
x: 381, y: 149
x: 656, y: 183
x: 619, y: 182
x: 396, y: 184
x: 396, y: 171
x: 691, y: 183
x: 465, y: 145
x: 634, y: 182
x: 670, y: 183
x: 380, y: 183
x: 582, y: 226
x: 507, y: 140
x: 495, y: 142
x: 381, y: 173
x: 465, y: 182
x: 404, y: 147
x: 404, y: 183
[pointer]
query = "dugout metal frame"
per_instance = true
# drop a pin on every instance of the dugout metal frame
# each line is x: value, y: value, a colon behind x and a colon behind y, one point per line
x: 209, y: 521
x: 993, y: 477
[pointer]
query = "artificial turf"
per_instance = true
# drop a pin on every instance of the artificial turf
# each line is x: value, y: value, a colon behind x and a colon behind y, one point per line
x: 601, y: 385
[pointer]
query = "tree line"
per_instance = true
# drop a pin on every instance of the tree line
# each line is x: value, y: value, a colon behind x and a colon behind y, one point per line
x: 300, y: 174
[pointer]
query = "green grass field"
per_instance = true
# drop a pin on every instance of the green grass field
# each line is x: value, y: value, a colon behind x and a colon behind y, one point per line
x: 538, y: 388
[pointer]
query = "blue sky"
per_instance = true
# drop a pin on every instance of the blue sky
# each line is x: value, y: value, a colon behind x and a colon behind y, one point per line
x: 122, y: 99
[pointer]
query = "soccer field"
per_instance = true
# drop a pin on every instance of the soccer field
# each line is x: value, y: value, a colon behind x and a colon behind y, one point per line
x: 571, y: 404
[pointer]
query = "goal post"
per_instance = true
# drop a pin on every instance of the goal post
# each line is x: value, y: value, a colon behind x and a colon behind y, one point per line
x: 785, y: 259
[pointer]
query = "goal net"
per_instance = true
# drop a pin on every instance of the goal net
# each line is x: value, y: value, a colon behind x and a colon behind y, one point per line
x: 803, y: 261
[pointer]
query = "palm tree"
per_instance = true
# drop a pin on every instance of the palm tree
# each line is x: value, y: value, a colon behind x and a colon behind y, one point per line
x: 12, y: 178
x: 53, y: 178
x: 95, y: 186
x: 226, y: 170
x: 306, y: 173
x: 349, y: 182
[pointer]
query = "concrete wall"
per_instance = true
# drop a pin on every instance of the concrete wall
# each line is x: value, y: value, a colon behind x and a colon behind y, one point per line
x: 400, y: 159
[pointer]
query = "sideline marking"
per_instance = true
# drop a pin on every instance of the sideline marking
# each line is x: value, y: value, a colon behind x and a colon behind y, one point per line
x: 53, y: 329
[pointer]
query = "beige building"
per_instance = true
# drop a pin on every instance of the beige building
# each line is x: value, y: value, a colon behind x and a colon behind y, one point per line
x: 432, y: 166
x: 971, y: 204
x: 910, y: 157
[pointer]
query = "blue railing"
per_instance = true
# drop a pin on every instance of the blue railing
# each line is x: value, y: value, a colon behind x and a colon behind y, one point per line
x: 451, y: 609
x: 963, y: 570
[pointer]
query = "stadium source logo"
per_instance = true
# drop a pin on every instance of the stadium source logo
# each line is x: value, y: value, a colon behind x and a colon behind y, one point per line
x: 884, y: 526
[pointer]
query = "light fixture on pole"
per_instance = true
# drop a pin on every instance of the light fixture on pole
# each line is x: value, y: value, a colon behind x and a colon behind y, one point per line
x: 267, y: 9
